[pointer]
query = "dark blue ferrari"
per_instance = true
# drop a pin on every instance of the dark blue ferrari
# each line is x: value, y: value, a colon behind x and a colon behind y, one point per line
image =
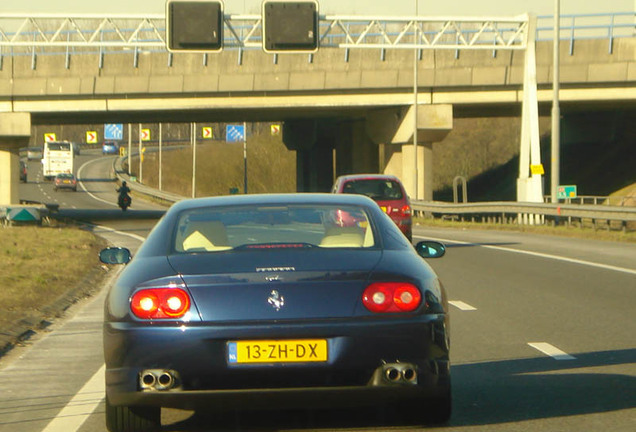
x: 294, y: 300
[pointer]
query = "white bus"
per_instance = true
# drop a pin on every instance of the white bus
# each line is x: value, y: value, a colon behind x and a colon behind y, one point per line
x: 57, y: 158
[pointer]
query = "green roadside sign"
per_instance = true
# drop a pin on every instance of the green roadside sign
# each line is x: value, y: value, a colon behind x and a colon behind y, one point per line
x: 565, y: 192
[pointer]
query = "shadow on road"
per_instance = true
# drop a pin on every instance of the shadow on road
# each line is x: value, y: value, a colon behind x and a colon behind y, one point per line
x: 486, y: 393
x: 94, y: 216
x: 516, y: 390
x: 96, y: 180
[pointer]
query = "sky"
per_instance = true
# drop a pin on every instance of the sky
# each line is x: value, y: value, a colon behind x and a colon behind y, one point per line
x: 338, y: 7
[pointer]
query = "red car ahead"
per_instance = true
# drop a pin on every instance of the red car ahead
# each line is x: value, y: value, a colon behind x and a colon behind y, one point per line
x: 386, y: 190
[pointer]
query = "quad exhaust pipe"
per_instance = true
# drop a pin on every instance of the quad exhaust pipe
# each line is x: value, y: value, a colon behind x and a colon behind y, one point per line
x: 158, y: 379
x: 395, y: 374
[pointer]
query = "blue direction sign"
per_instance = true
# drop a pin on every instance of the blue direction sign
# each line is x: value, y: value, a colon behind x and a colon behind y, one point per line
x: 114, y: 131
x: 234, y: 133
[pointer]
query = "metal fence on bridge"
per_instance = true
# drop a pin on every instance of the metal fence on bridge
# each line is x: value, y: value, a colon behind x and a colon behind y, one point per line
x: 82, y: 33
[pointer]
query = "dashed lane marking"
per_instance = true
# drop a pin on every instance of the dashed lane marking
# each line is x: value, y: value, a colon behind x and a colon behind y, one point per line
x: 551, y: 351
x: 461, y: 305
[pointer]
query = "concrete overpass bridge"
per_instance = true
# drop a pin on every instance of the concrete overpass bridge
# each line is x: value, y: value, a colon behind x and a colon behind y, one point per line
x: 355, y: 95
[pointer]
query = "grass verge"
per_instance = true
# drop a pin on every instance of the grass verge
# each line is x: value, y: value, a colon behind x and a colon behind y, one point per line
x: 271, y: 168
x: 39, y: 266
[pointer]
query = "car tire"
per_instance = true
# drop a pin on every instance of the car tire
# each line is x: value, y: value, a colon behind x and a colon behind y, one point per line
x: 132, y: 419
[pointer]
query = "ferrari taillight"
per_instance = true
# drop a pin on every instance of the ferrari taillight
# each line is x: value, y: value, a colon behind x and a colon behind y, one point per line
x: 160, y: 303
x: 391, y: 297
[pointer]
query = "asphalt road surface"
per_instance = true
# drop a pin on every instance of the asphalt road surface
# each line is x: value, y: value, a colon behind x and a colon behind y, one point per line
x: 542, y: 337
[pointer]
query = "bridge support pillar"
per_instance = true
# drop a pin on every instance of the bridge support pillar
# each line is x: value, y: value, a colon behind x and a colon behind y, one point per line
x: 530, y: 180
x: 356, y: 153
x: 15, y: 131
x: 313, y: 142
x: 395, y: 127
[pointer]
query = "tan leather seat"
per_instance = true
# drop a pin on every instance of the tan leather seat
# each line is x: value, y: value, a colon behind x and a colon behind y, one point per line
x: 205, y: 236
x: 347, y: 237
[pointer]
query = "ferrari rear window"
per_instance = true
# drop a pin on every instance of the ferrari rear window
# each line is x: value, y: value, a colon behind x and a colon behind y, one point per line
x: 265, y: 228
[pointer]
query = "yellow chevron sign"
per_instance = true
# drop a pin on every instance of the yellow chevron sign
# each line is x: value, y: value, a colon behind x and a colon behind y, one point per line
x: 50, y: 137
x: 91, y: 137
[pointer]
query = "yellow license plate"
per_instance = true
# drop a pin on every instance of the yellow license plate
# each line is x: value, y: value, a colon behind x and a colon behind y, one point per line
x: 277, y: 351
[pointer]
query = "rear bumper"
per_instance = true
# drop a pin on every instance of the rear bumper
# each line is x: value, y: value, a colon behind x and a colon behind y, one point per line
x: 316, y: 397
x: 356, y: 372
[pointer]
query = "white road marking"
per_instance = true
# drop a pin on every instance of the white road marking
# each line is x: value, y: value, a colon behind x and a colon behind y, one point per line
x: 541, y: 255
x: 79, y: 171
x: 461, y: 305
x: 75, y: 413
x: 85, y: 401
x: 551, y: 350
x: 105, y: 228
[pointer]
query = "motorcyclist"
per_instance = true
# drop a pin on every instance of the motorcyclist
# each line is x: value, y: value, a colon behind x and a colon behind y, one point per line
x: 123, y: 193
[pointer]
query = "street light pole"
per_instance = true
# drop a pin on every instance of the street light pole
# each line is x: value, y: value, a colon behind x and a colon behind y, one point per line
x: 415, y: 173
x: 245, y: 158
x: 141, y: 157
x: 193, y: 143
x: 160, y: 155
x: 556, y: 112
x: 129, y: 149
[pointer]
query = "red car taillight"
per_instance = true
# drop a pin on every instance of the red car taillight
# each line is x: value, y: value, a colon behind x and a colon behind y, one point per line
x: 391, y: 297
x: 160, y: 303
x: 406, y: 210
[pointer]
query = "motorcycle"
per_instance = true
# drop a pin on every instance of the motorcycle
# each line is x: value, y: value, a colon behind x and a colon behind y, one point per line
x: 124, y: 201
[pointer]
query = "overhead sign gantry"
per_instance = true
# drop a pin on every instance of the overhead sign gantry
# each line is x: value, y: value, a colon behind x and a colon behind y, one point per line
x: 198, y: 25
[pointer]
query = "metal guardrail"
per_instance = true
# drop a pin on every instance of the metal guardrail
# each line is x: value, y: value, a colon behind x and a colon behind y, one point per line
x: 598, y: 212
x: 597, y: 200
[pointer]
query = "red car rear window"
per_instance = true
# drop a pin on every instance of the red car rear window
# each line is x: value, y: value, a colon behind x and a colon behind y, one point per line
x: 377, y: 189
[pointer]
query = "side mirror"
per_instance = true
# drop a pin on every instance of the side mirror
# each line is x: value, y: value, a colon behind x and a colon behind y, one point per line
x: 430, y: 249
x: 115, y: 255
